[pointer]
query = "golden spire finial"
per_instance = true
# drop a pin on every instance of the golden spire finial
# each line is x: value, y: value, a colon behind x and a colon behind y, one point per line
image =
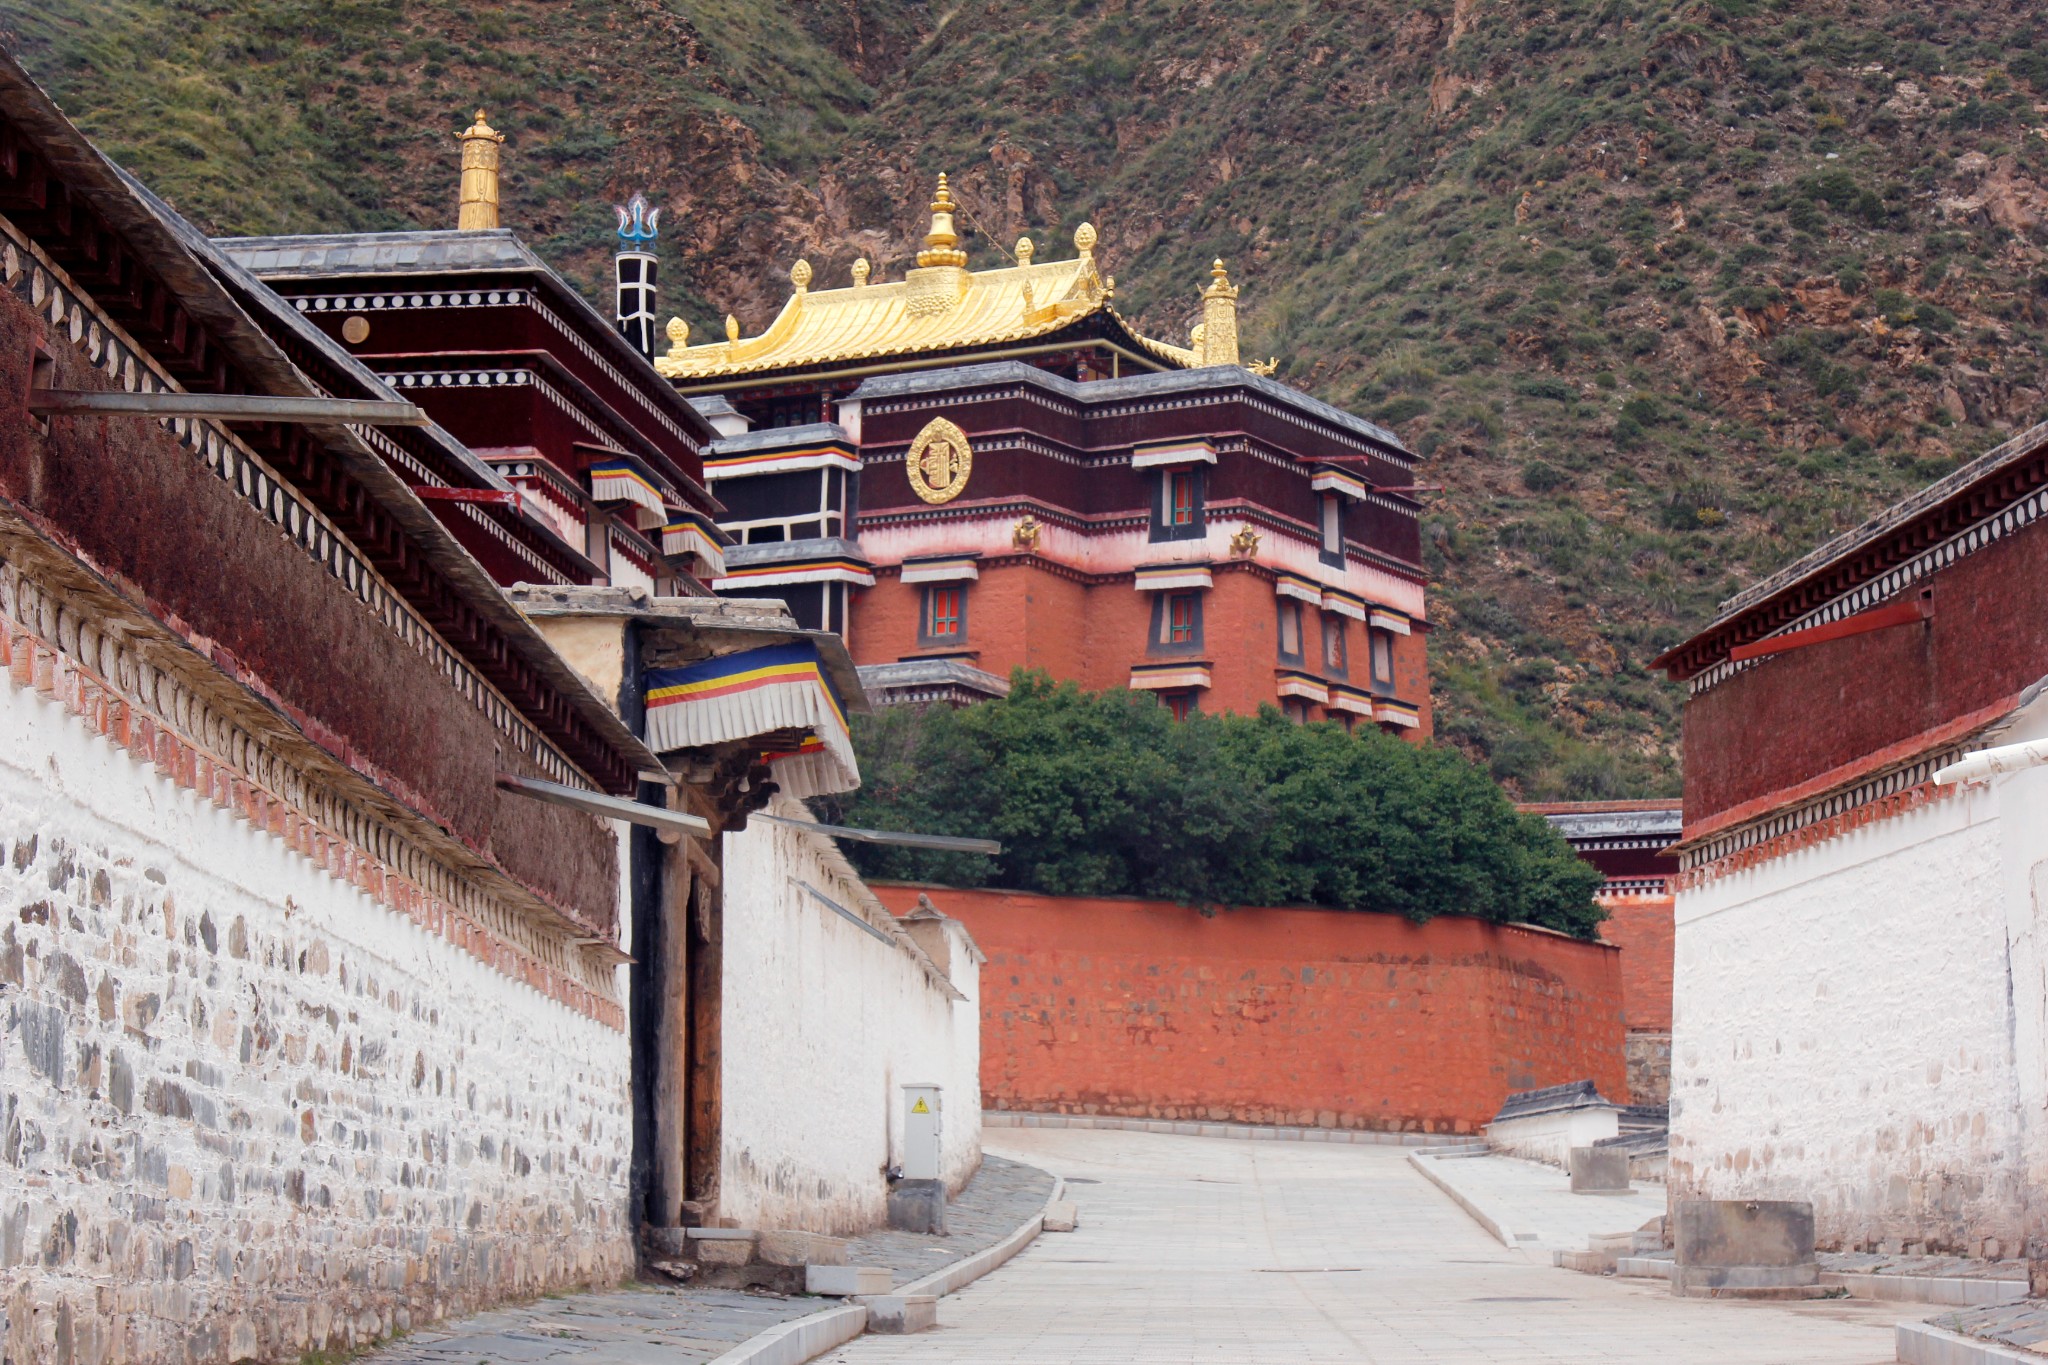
x: 678, y: 337
x: 942, y: 243
x: 478, y: 209
x: 1084, y: 239
x: 861, y: 271
x: 1216, y: 342
x: 1024, y: 251
x: 732, y: 328
x: 800, y: 275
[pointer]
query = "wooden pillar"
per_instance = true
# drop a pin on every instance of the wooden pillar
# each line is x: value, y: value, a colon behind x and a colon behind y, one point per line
x: 704, y: 1135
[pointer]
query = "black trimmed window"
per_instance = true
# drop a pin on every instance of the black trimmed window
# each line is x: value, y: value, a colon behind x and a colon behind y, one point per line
x: 1332, y: 551
x: 943, y: 620
x: 1334, y: 660
x: 1178, y: 503
x: 1382, y: 644
x: 1181, y: 705
x: 1290, y: 631
x: 1295, y: 709
x: 1176, y: 623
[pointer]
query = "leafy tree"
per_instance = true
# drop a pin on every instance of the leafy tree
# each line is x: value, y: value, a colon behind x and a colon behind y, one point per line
x: 1103, y: 793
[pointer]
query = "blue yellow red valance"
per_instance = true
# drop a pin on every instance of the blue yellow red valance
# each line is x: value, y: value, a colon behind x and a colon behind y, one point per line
x: 770, y: 691
x: 618, y: 481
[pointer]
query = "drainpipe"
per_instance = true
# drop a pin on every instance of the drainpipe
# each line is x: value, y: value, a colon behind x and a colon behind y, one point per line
x: 2007, y: 758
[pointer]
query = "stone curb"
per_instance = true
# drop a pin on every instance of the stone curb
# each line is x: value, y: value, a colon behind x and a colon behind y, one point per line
x: 1010, y: 1118
x: 1485, y: 1217
x: 1950, y: 1291
x: 793, y: 1343
x: 1921, y: 1343
x: 968, y: 1269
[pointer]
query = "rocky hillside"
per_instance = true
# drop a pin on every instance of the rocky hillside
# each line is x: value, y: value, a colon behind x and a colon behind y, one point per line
x: 1664, y: 292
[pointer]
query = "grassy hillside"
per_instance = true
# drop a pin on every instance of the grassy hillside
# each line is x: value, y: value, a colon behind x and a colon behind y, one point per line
x: 1664, y: 292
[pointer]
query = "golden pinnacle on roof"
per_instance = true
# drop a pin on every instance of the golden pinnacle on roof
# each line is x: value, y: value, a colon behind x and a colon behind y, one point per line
x: 1084, y: 239
x: 1217, y: 342
x: 732, y: 328
x: 478, y: 209
x: 800, y: 275
x: 942, y: 243
x: 678, y: 338
x: 1024, y: 250
x: 861, y: 271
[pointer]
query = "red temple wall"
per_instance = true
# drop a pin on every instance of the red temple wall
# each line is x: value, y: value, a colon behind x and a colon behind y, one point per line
x: 124, y: 496
x: 1024, y: 614
x: 1642, y: 927
x: 1849, y: 700
x: 1295, y: 1016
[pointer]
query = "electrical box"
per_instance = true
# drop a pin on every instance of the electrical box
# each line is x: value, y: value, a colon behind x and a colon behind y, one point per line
x: 922, y: 1120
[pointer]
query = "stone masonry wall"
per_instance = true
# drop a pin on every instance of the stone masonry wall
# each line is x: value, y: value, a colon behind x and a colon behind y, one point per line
x: 1285, y: 1016
x: 257, y: 1096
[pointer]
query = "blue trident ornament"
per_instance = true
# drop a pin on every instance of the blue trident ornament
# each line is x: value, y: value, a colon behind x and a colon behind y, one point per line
x: 637, y: 222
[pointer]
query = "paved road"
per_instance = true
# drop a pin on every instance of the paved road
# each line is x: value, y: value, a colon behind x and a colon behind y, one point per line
x: 1282, y: 1253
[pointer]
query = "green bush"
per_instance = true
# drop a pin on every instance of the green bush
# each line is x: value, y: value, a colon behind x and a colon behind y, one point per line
x: 1104, y: 794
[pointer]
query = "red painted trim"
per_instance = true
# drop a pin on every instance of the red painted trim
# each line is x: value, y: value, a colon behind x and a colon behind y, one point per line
x: 497, y: 497
x: 1862, y: 623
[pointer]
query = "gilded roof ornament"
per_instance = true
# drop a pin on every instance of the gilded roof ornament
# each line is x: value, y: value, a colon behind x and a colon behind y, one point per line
x: 942, y: 243
x: 1217, y: 342
x: 1024, y: 250
x: 678, y: 338
x: 861, y: 271
x: 478, y: 207
x: 800, y: 275
x: 732, y: 329
x: 1024, y: 535
x: 1245, y: 542
x: 1084, y: 240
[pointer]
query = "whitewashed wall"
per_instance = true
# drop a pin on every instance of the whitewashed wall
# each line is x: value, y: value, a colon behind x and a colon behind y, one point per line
x: 1858, y: 1023
x: 249, y: 1111
x: 823, y: 1026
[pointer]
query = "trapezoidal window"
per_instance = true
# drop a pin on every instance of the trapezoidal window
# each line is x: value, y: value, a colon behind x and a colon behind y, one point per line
x: 944, y: 620
x: 1176, y: 623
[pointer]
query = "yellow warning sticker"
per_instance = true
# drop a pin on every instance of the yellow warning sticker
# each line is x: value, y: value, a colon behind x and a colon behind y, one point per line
x: 920, y: 1108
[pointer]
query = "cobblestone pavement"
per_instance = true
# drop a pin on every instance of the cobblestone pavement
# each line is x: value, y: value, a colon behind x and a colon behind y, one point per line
x: 2023, y: 1324
x: 1204, y: 1249
x: 667, y: 1325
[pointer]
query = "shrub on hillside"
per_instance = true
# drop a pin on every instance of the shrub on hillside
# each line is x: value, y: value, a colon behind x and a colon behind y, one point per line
x: 1104, y: 794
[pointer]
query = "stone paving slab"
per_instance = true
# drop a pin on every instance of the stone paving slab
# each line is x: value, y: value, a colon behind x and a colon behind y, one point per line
x: 1536, y: 1205
x: 1940, y: 1267
x: 2023, y: 1324
x: 643, y: 1324
x: 1198, y: 1250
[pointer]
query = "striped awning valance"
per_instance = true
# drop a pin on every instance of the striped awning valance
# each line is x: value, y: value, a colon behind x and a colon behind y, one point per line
x: 769, y: 691
x: 691, y: 535
x: 617, y: 481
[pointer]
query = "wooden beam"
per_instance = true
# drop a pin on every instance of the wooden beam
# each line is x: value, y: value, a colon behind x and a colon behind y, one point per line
x: 227, y: 407
x: 1903, y: 613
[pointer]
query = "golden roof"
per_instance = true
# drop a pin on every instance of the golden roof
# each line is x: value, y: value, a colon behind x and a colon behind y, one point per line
x: 940, y: 305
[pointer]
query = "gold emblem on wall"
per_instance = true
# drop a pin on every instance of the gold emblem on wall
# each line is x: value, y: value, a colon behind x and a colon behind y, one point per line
x: 939, y: 461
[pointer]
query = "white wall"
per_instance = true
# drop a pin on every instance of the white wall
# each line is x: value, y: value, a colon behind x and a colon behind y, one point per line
x: 1844, y: 1026
x: 248, y: 1110
x: 823, y: 1025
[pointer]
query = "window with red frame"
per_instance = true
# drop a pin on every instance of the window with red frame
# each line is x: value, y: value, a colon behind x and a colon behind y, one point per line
x: 1181, y: 704
x: 943, y: 617
x: 1181, y: 498
x: 1181, y: 619
x: 1333, y: 645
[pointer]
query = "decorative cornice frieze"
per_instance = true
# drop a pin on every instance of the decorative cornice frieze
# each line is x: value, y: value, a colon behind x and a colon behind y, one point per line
x: 50, y: 291
x: 131, y: 680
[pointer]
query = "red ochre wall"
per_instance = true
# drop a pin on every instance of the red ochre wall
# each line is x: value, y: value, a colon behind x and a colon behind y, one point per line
x: 1024, y: 614
x: 1642, y: 927
x: 1316, y: 1017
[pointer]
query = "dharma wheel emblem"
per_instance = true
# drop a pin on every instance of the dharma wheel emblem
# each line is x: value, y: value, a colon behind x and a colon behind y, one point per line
x: 939, y: 462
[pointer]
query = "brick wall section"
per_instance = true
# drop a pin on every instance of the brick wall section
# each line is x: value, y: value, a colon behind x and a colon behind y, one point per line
x: 1022, y: 614
x: 1317, y: 1017
x: 263, y: 1096
x: 1642, y: 927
